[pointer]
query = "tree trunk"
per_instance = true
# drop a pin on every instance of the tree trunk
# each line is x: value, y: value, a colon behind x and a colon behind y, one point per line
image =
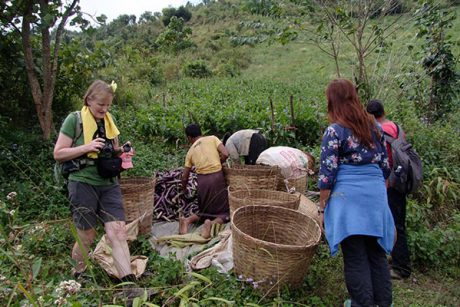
x: 34, y: 83
x: 43, y: 97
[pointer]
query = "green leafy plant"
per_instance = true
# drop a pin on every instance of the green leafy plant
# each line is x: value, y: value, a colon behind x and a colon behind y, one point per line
x: 438, y: 60
x: 176, y: 36
x: 197, y: 69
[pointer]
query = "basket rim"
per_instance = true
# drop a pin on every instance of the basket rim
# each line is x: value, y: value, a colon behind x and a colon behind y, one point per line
x: 277, y: 245
x: 254, y: 169
x: 237, y: 189
x: 136, y: 178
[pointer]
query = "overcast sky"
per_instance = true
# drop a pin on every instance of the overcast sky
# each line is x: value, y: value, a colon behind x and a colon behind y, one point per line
x: 115, y: 8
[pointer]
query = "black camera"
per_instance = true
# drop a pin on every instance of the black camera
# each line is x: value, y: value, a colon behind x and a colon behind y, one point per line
x: 107, y: 149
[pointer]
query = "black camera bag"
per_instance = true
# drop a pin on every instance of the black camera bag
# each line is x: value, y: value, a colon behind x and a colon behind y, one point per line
x: 109, y: 167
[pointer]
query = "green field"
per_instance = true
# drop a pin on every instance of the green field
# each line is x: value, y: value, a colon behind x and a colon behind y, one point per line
x: 156, y: 99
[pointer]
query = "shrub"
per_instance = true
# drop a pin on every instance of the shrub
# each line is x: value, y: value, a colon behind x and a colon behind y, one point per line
x: 176, y: 37
x: 197, y: 69
x: 262, y: 7
x: 181, y: 12
x: 227, y: 70
x: 433, y: 245
x: 30, y: 158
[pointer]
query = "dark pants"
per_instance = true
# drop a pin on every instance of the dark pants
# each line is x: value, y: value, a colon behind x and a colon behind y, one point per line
x: 256, y: 146
x: 367, y: 274
x: 400, y: 254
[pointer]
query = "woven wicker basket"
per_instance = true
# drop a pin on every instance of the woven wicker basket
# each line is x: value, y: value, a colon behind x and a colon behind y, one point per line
x: 300, y: 184
x: 138, y: 197
x: 251, y: 197
x: 252, y: 176
x: 273, y: 245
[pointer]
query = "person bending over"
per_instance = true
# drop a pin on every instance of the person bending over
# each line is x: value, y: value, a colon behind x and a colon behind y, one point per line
x: 248, y: 143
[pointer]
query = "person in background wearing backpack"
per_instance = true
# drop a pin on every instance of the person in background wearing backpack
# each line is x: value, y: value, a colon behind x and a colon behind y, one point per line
x: 400, y: 264
x: 94, y: 196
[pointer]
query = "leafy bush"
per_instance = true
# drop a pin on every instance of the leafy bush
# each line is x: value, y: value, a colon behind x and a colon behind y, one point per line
x: 197, y: 69
x: 438, y: 60
x: 176, y: 37
x: 31, y: 160
x: 132, y: 65
x: 433, y: 245
x: 15, y: 98
x: 262, y: 7
x: 180, y: 12
x: 227, y: 70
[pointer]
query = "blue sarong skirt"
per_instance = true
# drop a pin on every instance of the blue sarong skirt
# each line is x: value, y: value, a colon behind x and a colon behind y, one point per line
x: 358, y: 205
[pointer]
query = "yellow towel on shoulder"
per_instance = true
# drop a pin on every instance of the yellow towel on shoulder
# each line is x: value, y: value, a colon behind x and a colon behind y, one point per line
x: 90, y: 126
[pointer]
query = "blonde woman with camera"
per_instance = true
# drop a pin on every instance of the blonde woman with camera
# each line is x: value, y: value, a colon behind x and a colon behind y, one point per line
x: 94, y: 192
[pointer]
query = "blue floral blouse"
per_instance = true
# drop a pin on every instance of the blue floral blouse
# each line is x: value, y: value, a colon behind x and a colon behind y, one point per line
x: 339, y: 146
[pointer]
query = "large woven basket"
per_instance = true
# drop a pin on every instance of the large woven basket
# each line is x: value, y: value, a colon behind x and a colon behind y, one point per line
x: 251, y: 197
x: 252, y: 176
x: 273, y: 246
x: 138, y: 197
x: 299, y: 184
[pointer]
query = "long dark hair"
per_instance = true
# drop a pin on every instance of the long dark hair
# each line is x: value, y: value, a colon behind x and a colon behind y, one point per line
x: 345, y: 108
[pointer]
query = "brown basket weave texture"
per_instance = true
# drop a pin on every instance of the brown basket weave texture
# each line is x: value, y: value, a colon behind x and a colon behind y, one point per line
x: 251, y: 197
x: 252, y: 176
x: 300, y: 184
x: 273, y: 245
x: 138, y: 197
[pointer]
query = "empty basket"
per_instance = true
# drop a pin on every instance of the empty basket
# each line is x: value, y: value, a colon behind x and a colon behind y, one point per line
x: 138, y: 197
x: 251, y: 197
x: 252, y: 176
x: 273, y: 245
x: 300, y: 184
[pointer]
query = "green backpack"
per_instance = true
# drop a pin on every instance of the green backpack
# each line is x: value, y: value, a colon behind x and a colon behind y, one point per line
x: 63, y: 169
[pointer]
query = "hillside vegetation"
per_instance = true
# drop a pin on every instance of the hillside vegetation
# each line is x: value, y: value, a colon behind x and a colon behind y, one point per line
x: 222, y: 68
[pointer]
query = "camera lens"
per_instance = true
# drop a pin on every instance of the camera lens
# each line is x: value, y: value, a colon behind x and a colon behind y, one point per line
x: 126, y: 148
x: 106, y: 149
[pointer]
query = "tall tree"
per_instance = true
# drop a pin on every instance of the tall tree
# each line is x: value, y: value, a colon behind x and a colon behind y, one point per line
x: 359, y: 23
x: 40, y: 24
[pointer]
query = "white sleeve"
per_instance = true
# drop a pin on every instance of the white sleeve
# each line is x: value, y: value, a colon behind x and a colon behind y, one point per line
x: 232, y: 151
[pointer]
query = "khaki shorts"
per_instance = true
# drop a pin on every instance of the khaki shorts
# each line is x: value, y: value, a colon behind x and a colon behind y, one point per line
x: 91, y: 203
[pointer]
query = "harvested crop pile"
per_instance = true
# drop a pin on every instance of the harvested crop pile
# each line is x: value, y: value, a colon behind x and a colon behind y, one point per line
x: 170, y: 199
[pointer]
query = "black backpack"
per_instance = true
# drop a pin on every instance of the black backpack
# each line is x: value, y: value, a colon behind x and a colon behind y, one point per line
x: 407, y: 173
x: 63, y: 169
